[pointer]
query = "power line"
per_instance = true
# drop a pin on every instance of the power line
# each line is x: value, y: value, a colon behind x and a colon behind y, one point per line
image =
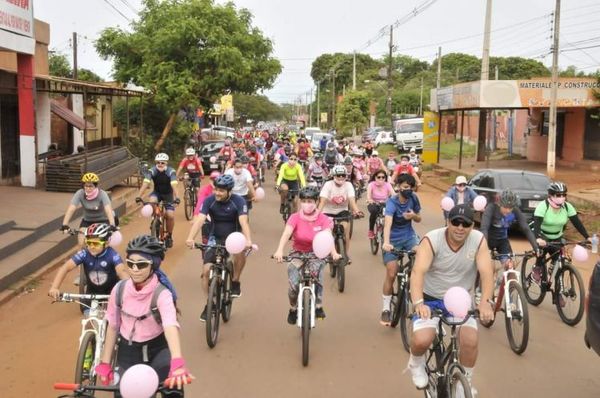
x: 116, y: 9
x: 128, y: 5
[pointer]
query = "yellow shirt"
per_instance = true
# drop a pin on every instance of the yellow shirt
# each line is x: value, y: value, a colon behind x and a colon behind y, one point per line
x: 286, y: 172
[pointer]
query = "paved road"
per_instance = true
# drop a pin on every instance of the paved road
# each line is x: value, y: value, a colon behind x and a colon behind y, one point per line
x: 258, y: 354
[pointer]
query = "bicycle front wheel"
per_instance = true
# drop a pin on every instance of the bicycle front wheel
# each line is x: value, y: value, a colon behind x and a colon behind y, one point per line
x: 533, y: 288
x: 374, y: 243
x: 306, y: 306
x: 569, y: 295
x: 227, y: 301
x: 188, y: 201
x: 341, y: 266
x: 395, y: 303
x: 85, y: 360
x: 213, y: 309
x: 458, y: 385
x: 155, y: 228
x: 517, y: 326
x: 406, y: 323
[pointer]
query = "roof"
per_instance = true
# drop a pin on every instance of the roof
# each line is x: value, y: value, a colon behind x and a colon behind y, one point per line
x: 69, y: 116
x: 57, y: 84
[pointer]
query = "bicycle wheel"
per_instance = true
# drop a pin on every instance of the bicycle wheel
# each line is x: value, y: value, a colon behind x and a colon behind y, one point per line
x: 458, y: 385
x: 85, y: 360
x: 213, y: 307
x: 406, y: 323
x: 305, y: 325
x: 155, y: 227
x: 374, y: 241
x: 227, y: 301
x: 341, y: 266
x: 517, y: 327
x: 534, y: 290
x: 569, y: 299
x: 395, y: 303
x: 188, y: 202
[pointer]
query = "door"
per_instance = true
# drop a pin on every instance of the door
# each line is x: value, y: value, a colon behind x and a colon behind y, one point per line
x: 591, y: 146
x: 9, y: 136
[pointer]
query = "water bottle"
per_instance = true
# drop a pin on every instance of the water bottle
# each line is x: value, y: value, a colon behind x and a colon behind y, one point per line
x: 595, y: 243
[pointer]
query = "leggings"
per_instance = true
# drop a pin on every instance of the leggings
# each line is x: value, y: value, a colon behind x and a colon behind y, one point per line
x: 374, y: 210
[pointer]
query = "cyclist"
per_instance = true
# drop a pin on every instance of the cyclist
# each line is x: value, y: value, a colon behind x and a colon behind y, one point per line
x: 405, y: 168
x: 193, y: 165
x: 549, y: 221
x: 460, y: 193
x: 331, y: 155
x: 226, y: 154
x: 375, y: 163
x: 243, y: 180
x: 369, y: 148
x: 379, y: 191
x: 497, y: 219
x: 317, y: 170
x: 290, y: 175
x: 143, y: 336
x: 102, y: 265
x: 228, y: 213
x: 302, y: 228
x: 338, y: 199
x: 323, y: 143
x: 448, y: 257
x: 164, y: 180
x: 398, y: 233
x: 413, y: 158
x: 95, y: 203
x: 303, y: 151
x: 391, y: 162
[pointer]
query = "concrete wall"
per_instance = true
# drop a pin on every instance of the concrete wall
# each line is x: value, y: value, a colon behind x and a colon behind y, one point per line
x: 572, y: 150
x: 42, y: 121
x: 78, y: 109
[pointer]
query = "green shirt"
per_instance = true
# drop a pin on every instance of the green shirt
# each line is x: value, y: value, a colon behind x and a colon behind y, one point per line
x: 554, y: 220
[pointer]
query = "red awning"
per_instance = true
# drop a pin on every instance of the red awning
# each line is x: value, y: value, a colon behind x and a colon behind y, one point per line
x: 69, y: 116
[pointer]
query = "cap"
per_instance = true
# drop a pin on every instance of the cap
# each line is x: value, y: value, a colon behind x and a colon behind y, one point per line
x: 461, y: 211
x: 460, y: 180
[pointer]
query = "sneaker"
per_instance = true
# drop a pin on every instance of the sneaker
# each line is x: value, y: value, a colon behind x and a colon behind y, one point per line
x: 236, y: 290
x: 203, y: 315
x: 169, y: 241
x: 371, y: 234
x: 319, y: 313
x: 385, y: 318
x: 292, y: 317
x: 536, y: 274
x: 418, y: 373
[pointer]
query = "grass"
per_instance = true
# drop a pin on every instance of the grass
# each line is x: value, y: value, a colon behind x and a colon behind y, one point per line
x: 384, y: 149
x: 451, y: 149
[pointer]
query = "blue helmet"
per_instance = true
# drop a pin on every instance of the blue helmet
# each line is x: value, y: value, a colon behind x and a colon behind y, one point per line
x: 224, y: 182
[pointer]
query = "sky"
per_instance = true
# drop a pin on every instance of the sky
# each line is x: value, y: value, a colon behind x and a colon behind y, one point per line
x: 303, y: 30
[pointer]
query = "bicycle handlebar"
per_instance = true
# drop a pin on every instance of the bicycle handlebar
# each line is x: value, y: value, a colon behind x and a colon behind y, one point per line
x: 499, y: 256
x: 78, y: 388
x: 563, y: 243
x: 451, y: 321
x: 402, y: 252
x: 68, y: 297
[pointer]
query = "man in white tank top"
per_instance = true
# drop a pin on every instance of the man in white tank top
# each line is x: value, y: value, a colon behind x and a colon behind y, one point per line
x: 448, y: 257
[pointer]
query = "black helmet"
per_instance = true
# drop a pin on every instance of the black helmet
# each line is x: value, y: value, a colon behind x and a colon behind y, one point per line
x: 508, y: 199
x: 318, y: 156
x: 309, y: 193
x: 245, y: 159
x: 224, y: 182
x: 557, y: 187
x: 146, y: 244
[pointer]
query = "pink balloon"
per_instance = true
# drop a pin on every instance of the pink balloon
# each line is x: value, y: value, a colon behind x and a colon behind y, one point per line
x: 580, y: 253
x: 115, y: 239
x: 323, y: 244
x: 139, y: 381
x: 213, y: 159
x: 457, y: 301
x: 235, y: 242
x: 260, y: 193
x: 479, y: 203
x: 447, y: 203
x: 147, y: 211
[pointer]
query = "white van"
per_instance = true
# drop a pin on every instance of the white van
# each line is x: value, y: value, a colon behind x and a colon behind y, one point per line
x: 409, y: 133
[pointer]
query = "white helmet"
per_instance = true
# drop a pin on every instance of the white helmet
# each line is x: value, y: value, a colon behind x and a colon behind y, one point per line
x: 339, y: 170
x: 161, y: 157
x: 375, y: 153
x: 190, y: 151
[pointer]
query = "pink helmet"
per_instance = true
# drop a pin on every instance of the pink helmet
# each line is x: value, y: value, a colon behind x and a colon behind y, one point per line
x: 214, y: 175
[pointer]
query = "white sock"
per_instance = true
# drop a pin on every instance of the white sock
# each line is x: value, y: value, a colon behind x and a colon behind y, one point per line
x: 469, y: 373
x: 386, y: 302
x: 416, y: 361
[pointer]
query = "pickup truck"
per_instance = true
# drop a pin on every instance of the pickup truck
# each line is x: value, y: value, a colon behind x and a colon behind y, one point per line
x: 409, y: 134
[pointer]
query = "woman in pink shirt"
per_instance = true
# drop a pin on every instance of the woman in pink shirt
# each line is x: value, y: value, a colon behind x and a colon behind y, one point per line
x: 146, y: 336
x: 378, y: 192
x: 302, y: 227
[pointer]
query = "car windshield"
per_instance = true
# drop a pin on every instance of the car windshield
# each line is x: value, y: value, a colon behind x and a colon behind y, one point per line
x: 212, y: 147
x: 410, y: 128
x: 523, y: 182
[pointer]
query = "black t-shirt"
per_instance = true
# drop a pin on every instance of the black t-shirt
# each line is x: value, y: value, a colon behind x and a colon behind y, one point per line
x: 224, y: 215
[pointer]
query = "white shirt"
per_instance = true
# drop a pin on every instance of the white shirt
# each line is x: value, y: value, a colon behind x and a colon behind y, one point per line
x: 240, y: 186
x: 336, y: 197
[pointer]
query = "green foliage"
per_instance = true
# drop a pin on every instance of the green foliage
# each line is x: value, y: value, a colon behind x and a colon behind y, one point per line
x: 516, y: 68
x: 352, y: 112
x: 189, y: 52
x: 88, y: 75
x: 466, y: 67
x: 256, y: 107
x: 58, y: 65
x: 450, y: 150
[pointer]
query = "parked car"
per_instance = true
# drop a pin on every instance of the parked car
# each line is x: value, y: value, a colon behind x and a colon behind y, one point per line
x: 371, y: 133
x: 592, y: 309
x: 310, y: 131
x: 384, y: 137
x: 223, y: 131
x: 211, y: 148
x: 409, y: 134
x: 316, y: 138
x: 531, y: 187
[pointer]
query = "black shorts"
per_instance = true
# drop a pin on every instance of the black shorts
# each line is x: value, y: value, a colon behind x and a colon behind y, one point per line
x: 501, y: 246
x: 291, y: 184
x: 248, y: 202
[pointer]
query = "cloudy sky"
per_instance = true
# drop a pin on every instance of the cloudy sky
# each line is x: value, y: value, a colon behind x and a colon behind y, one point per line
x: 302, y: 30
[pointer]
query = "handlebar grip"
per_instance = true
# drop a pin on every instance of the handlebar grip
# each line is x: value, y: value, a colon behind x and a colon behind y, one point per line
x: 66, y: 386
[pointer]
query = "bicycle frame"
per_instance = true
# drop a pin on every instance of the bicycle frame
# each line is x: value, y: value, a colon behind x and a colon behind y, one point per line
x: 503, y: 291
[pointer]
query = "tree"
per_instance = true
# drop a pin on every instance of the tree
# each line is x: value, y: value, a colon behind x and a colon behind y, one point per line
x: 256, y: 107
x: 189, y: 52
x: 352, y: 111
x: 517, y: 68
x: 58, y: 65
x: 466, y: 67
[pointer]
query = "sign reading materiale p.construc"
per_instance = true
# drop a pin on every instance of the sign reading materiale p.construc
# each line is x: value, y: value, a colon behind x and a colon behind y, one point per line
x: 431, y: 137
x: 16, y: 26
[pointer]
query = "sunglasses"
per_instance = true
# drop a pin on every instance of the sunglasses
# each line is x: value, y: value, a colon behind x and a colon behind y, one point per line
x: 140, y: 264
x: 560, y: 195
x: 380, y: 177
x: 459, y: 221
x: 94, y: 243
x: 340, y: 176
x: 89, y: 186
x: 161, y: 163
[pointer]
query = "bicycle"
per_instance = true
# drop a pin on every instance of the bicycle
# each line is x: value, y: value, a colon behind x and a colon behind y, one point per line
x: 510, y: 299
x: 190, y: 196
x: 82, y: 284
x: 445, y: 372
x: 158, y: 224
x: 561, y: 279
x: 289, y: 205
x: 377, y: 240
x: 337, y: 269
x: 88, y: 391
x: 93, y: 334
x: 306, y: 298
x: 401, y: 302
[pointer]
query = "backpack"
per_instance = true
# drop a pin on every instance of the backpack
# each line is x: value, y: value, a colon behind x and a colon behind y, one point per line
x: 120, y: 287
x: 330, y: 157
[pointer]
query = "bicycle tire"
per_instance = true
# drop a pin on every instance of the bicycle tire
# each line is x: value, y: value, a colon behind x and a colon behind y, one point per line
x: 455, y: 379
x: 534, y: 292
x: 82, y: 376
x: 374, y: 244
x: 188, y: 204
x: 155, y: 227
x: 341, y: 266
x: 213, y: 306
x: 227, y: 301
x: 395, y: 303
x: 406, y: 324
x: 520, y: 314
x: 575, y: 297
x: 306, y: 298
x: 82, y: 287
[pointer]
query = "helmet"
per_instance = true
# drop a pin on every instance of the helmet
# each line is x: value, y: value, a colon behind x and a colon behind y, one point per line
x: 339, y: 170
x: 508, y: 199
x: 90, y: 177
x: 357, y: 153
x: 214, y: 175
x: 318, y: 156
x: 375, y: 153
x: 287, y: 149
x: 330, y: 144
x: 348, y: 160
x: 252, y: 149
x: 99, y: 231
x: 227, y: 142
x: 224, y: 182
x: 557, y: 187
x: 190, y: 152
x: 413, y: 150
x: 309, y: 193
x: 146, y: 244
x: 161, y: 157
x: 244, y: 159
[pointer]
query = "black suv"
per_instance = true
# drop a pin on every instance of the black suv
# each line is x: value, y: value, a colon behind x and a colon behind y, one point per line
x: 210, y: 148
x: 592, y: 306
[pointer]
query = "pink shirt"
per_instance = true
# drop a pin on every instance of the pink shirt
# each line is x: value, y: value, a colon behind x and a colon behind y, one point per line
x: 374, y: 164
x: 203, y: 193
x: 305, y: 231
x: 380, y: 193
x: 137, y: 303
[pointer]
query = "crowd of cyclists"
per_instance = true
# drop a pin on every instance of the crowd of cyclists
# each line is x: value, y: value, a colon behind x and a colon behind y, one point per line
x: 322, y: 185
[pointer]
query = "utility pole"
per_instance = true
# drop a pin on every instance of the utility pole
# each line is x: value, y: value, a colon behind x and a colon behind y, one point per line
x: 389, y: 76
x: 332, y: 99
x: 496, y: 72
x: 310, y: 106
x: 482, y: 150
x: 354, y: 71
x: 318, y: 104
x: 75, y: 55
x: 553, y: 95
x: 439, y: 69
x: 421, y: 99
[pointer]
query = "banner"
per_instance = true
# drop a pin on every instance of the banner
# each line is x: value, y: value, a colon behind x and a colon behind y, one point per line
x: 323, y: 117
x: 431, y: 137
x: 226, y: 102
x: 17, y: 16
